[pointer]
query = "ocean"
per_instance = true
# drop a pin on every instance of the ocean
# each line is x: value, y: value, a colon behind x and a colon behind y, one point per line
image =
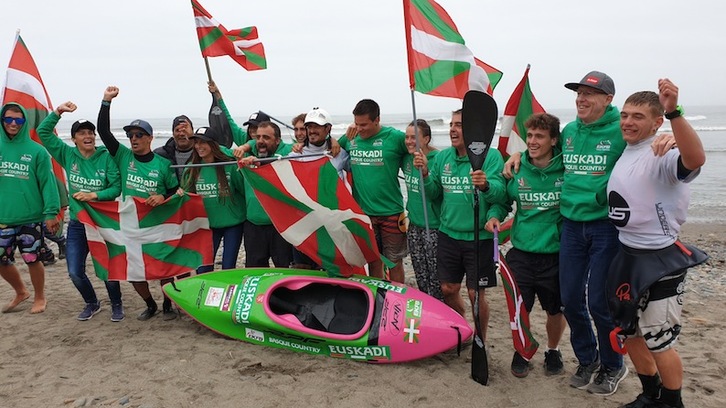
x: 708, y: 191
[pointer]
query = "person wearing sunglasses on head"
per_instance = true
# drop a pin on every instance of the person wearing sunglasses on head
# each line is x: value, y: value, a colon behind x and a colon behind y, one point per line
x: 144, y: 174
x: 28, y: 198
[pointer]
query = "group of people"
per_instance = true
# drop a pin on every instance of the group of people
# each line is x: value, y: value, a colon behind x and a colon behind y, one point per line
x: 603, y: 189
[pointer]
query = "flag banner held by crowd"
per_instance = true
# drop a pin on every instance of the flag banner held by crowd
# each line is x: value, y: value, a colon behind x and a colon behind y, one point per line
x: 521, y: 105
x: 132, y: 241
x: 242, y: 45
x: 439, y: 63
x: 313, y: 210
x: 24, y: 86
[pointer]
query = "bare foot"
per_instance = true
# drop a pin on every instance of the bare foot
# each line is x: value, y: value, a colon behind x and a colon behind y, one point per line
x: 38, y: 306
x: 15, y: 302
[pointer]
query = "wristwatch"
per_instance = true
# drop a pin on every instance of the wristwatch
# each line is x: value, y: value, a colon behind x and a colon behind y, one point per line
x: 676, y: 113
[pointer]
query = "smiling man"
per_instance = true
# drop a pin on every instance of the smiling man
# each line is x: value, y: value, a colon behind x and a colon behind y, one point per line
x: 28, y: 198
x: 178, y: 149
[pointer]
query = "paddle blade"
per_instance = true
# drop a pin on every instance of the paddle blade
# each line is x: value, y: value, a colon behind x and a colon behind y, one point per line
x: 479, y: 122
x: 479, y: 362
x: 218, y: 121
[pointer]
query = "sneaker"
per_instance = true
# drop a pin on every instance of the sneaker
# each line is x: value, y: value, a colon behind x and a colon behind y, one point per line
x: 90, y: 310
x: 642, y: 401
x: 169, y: 314
x: 553, y: 362
x: 62, y: 251
x: 520, y: 366
x: 147, y: 314
x: 47, y: 256
x: 584, y: 375
x: 607, y: 381
x: 117, y: 312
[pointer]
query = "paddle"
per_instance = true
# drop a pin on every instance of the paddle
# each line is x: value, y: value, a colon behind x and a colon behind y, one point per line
x: 479, y: 121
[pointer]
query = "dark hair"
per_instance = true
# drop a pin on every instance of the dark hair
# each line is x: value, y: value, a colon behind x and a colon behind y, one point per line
x: 298, y: 118
x: 457, y: 112
x: 544, y: 121
x: 648, y: 98
x: 423, y: 125
x: 367, y: 107
x: 275, y: 128
x: 190, y: 177
x: 12, y: 108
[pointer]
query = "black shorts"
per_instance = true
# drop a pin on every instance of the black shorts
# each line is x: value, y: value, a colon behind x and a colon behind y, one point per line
x: 457, y: 258
x: 537, y: 274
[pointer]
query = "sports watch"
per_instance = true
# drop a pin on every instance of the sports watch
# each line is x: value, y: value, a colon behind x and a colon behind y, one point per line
x: 676, y: 113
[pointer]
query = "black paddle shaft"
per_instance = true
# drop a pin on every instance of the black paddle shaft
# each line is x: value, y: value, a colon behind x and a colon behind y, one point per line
x: 218, y: 121
x: 479, y: 122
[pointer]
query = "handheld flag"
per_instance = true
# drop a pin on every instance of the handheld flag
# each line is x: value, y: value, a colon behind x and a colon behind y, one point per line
x: 24, y: 86
x: 521, y: 105
x: 129, y: 240
x: 314, y: 211
x: 439, y: 63
x: 242, y: 45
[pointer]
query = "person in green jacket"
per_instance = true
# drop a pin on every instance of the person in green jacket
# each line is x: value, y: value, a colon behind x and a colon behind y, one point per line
x: 449, y: 177
x: 92, y: 176
x: 423, y: 228
x: 534, y: 257
x: 28, y: 198
x: 376, y: 154
x: 222, y: 190
x: 262, y: 241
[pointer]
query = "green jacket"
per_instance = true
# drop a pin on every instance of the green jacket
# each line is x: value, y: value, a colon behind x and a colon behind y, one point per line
x: 589, y: 152
x: 28, y: 189
x: 449, y: 179
x: 239, y: 135
x: 414, y: 202
x: 97, y: 173
x: 537, y: 223
x: 221, y: 211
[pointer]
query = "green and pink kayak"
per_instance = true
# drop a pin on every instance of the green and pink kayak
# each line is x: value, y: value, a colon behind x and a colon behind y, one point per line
x: 359, y: 317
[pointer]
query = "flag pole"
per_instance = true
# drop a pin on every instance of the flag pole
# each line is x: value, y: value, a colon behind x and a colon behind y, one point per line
x: 420, y: 171
x: 209, y: 72
x: 279, y: 121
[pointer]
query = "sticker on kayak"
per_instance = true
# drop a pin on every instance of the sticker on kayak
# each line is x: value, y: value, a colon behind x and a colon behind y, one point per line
x: 228, y: 294
x: 214, y: 297
x: 413, y: 321
x: 245, y: 300
x: 360, y: 353
x: 381, y: 284
x: 254, y: 335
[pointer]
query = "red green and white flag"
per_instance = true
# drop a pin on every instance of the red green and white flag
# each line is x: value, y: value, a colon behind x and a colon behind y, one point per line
x: 524, y: 342
x: 521, y: 105
x: 24, y: 86
x: 132, y: 241
x: 312, y: 209
x: 439, y: 63
x: 242, y: 45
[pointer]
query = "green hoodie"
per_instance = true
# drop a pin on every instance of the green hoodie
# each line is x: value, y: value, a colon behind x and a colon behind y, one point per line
x: 414, y: 204
x: 537, y: 222
x: 222, y: 212
x: 589, y: 153
x: 449, y: 179
x: 28, y: 189
x: 239, y: 135
x: 97, y: 173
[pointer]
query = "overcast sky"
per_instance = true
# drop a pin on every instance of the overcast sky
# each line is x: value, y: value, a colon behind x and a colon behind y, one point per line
x: 332, y: 53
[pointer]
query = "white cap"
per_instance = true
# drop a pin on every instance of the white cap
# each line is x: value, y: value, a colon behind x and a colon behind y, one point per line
x: 319, y: 116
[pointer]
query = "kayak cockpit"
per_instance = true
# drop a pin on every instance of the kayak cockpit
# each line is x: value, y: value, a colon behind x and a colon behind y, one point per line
x: 340, y: 311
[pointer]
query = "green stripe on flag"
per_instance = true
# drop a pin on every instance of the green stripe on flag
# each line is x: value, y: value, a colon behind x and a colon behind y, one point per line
x: 326, y: 251
x: 427, y: 80
x: 210, y: 38
x: 448, y: 32
x: 260, y: 184
x: 174, y: 255
x: 256, y: 59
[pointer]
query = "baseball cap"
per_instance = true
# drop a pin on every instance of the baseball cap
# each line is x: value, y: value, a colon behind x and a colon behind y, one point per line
x: 256, y: 118
x: 181, y: 119
x: 82, y: 124
x: 205, y: 133
x: 596, y: 80
x: 319, y: 116
x: 140, y: 124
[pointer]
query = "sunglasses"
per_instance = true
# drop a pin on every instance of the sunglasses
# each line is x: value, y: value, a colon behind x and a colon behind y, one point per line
x: 137, y: 135
x: 18, y: 121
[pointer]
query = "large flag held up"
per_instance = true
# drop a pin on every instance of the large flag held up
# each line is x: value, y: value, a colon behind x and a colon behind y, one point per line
x: 242, y: 45
x: 521, y: 105
x: 130, y: 240
x: 439, y: 63
x: 24, y: 86
x: 314, y: 211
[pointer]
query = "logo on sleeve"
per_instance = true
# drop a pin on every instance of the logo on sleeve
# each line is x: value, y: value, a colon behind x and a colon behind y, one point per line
x: 619, y: 212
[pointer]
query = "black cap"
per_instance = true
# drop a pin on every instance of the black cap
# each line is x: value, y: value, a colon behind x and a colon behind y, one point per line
x: 596, y: 80
x: 257, y: 118
x: 181, y: 119
x: 207, y: 134
x: 82, y: 124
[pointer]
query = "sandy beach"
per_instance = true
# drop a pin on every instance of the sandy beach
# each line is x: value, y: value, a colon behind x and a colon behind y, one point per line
x: 53, y: 360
